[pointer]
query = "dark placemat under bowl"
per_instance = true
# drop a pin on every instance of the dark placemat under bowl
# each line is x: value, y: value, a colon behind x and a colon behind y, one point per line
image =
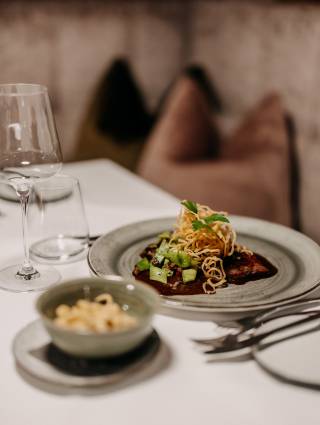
x: 81, y: 366
x: 37, y: 356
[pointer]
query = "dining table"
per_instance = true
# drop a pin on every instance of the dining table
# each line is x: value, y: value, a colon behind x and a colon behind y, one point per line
x: 181, y: 386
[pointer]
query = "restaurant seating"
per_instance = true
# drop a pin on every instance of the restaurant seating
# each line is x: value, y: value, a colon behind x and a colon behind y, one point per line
x: 249, y: 49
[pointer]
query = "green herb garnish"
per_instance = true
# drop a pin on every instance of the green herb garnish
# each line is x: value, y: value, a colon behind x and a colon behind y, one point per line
x: 216, y: 217
x: 199, y: 224
x: 203, y: 223
x: 191, y: 206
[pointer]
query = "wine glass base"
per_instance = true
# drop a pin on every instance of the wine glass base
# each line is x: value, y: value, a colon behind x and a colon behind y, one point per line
x: 31, y: 276
x: 48, y: 276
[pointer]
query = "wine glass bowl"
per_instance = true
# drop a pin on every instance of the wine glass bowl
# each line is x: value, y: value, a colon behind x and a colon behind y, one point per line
x: 29, y: 151
x: 29, y: 142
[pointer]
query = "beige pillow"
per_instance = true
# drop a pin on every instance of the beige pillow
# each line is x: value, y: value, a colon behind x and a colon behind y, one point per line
x: 251, y: 175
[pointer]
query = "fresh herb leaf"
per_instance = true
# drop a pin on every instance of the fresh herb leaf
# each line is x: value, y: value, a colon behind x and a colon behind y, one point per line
x: 204, y: 222
x: 216, y: 217
x: 198, y: 224
x: 191, y: 206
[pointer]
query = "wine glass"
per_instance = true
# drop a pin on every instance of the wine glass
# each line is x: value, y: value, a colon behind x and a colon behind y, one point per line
x: 29, y: 151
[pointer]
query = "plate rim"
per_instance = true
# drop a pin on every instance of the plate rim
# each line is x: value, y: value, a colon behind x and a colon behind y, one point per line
x: 258, y: 348
x: 186, y: 306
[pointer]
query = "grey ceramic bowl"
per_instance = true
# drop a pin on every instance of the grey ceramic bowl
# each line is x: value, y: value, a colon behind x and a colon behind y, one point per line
x: 140, y: 301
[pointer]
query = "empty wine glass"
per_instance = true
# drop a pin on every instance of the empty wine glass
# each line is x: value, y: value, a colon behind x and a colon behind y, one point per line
x: 29, y: 151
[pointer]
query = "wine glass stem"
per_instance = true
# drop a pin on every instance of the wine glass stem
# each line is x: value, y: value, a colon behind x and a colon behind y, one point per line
x: 27, y: 270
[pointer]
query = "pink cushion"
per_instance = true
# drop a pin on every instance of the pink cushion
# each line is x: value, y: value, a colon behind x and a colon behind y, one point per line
x: 251, y: 175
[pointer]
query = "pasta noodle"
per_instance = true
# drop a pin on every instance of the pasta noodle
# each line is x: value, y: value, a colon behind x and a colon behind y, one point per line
x: 208, y: 244
x: 100, y: 315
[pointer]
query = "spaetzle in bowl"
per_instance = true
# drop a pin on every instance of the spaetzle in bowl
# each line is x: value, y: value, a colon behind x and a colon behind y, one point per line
x: 98, y: 317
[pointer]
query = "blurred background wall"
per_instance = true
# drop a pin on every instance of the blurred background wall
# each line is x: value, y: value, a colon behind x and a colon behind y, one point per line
x: 247, y: 47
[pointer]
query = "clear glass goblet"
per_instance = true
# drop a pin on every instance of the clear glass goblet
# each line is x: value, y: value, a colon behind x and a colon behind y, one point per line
x: 29, y: 151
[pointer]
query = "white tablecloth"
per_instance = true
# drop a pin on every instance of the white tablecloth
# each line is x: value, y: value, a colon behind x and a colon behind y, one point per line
x: 185, y: 390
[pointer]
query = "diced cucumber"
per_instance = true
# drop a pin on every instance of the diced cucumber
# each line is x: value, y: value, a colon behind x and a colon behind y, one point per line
x: 159, y: 258
x: 184, y: 260
x: 180, y: 258
x: 143, y: 264
x: 189, y: 275
x: 166, y: 267
x: 160, y: 275
x: 163, y: 248
x: 165, y: 235
x: 172, y: 256
x: 161, y: 252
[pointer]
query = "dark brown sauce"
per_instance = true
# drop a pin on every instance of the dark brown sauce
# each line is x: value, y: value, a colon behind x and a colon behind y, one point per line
x: 240, y: 268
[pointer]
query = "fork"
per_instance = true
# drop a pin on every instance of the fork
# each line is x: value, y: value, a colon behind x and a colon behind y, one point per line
x: 233, y: 338
x: 250, y: 324
x: 234, y: 345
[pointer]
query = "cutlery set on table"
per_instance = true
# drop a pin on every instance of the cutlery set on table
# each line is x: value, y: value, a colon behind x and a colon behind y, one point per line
x: 246, y: 335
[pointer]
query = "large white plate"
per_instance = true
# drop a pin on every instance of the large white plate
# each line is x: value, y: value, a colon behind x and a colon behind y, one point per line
x: 296, y: 257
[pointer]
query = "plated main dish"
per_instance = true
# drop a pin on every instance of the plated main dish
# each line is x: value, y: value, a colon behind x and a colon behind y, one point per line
x: 199, y: 256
